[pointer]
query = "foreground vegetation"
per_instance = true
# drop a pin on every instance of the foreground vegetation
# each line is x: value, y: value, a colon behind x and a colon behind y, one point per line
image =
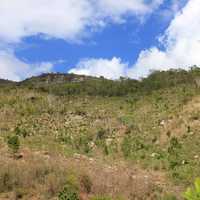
x: 76, y: 137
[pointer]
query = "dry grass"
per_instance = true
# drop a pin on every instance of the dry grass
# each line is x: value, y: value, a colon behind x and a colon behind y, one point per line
x: 40, y: 175
x: 60, y: 126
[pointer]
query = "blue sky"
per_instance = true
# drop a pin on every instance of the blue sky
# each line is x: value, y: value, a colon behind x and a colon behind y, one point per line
x: 121, y: 40
x: 105, y: 39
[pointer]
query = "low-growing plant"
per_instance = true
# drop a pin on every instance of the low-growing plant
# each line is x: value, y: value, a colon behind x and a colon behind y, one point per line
x: 173, y: 153
x: 14, y: 143
x: 193, y: 193
x: 132, y: 145
x: 101, y: 134
x: 69, y: 192
x: 21, y: 132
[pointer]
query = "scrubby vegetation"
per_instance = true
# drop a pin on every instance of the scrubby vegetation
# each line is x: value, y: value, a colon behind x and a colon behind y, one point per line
x: 77, y: 137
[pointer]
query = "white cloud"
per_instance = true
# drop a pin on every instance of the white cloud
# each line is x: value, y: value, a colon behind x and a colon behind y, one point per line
x: 71, y: 20
x: 60, y: 18
x: 172, y: 8
x: 14, y: 69
x: 65, y: 19
x: 111, y: 69
x: 116, y: 11
x: 181, y: 41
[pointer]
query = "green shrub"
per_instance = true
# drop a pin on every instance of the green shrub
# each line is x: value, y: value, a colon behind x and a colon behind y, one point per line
x: 174, y: 158
x: 21, y: 132
x: 69, y: 192
x: 14, y: 143
x: 82, y: 143
x: 132, y: 145
x: 193, y: 193
x: 101, y: 134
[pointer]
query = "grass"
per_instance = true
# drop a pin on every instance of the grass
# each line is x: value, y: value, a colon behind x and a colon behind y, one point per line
x: 153, y: 129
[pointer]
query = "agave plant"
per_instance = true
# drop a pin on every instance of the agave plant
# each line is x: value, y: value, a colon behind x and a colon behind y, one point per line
x: 193, y: 193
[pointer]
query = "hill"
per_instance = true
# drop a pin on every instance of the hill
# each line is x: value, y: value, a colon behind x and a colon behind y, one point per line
x: 93, y: 138
x: 56, y: 78
x: 6, y: 82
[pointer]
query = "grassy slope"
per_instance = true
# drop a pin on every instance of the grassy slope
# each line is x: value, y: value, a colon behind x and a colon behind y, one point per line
x: 146, y: 133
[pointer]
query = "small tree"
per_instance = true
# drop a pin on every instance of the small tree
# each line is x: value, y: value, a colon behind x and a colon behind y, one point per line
x: 14, y: 143
x: 193, y: 193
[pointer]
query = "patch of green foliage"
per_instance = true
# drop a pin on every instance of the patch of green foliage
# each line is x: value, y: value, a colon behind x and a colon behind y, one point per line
x: 69, y: 192
x: 13, y: 143
x: 193, y: 193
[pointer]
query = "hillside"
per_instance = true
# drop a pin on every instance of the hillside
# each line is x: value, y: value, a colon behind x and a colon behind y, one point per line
x: 6, y: 82
x: 92, y: 138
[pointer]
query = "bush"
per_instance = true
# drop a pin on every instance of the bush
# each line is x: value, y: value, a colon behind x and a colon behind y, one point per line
x: 132, y: 145
x: 21, y: 132
x: 86, y: 183
x: 193, y: 193
x: 14, y: 143
x: 101, y: 134
x: 69, y: 192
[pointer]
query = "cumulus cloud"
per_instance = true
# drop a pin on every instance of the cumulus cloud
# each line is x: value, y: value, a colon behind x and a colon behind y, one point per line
x: 111, y: 69
x: 181, y: 44
x: 181, y: 47
x: 65, y: 19
x: 71, y: 20
x: 59, y: 19
x: 14, y: 69
x: 116, y: 11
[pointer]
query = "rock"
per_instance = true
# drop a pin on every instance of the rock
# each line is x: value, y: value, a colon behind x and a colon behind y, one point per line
x: 109, y: 141
x: 146, y: 177
x: 76, y: 155
x: 191, y: 133
x: 91, y: 145
x: 162, y: 123
x: 153, y: 155
x: 91, y: 159
x: 19, y: 156
x: 183, y: 162
x: 134, y: 177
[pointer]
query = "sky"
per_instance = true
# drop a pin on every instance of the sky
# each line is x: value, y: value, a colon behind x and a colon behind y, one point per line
x: 109, y: 38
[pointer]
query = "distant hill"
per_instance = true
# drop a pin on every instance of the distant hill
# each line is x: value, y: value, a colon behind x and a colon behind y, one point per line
x: 6, y: 82
x: 72, y: 84
x: 56, y: 78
